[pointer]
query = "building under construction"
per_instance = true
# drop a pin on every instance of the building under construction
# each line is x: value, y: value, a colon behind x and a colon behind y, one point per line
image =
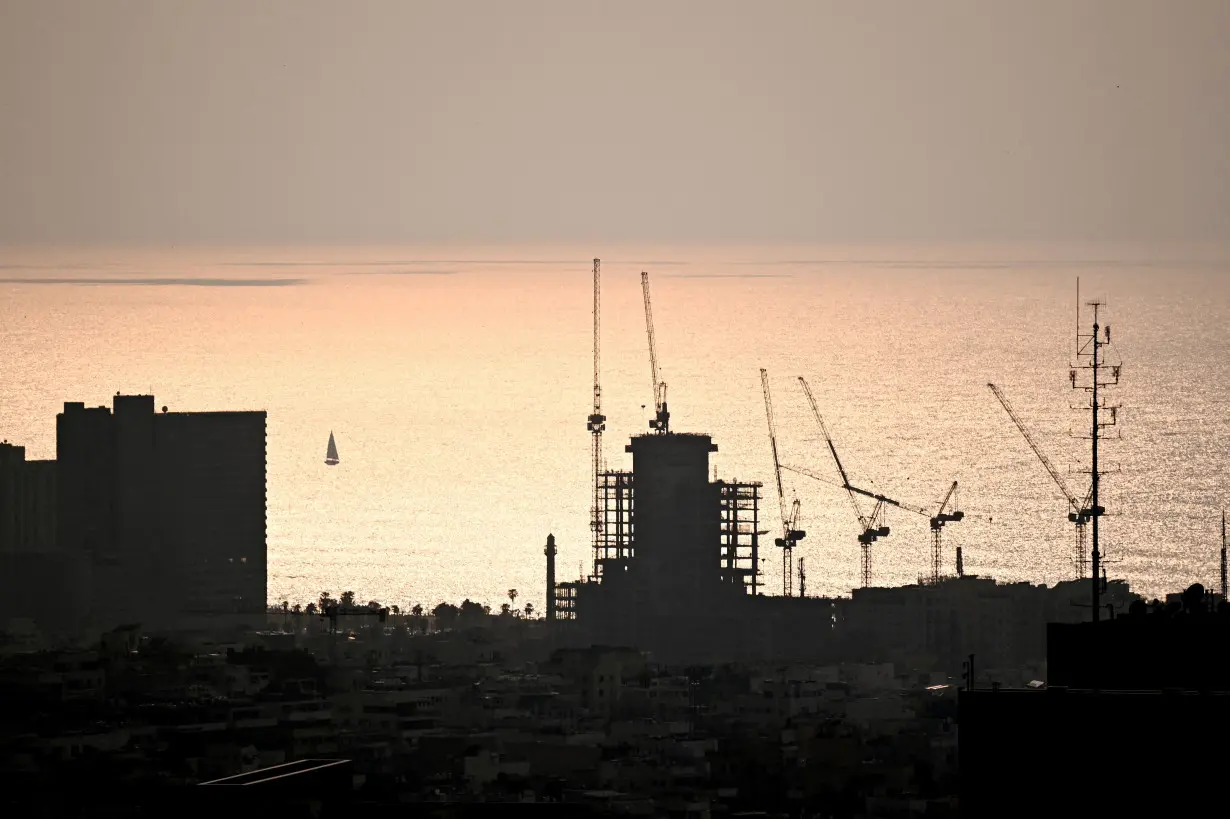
x: 676, y: 564
x: 676, y: 560
x: 676, y: 556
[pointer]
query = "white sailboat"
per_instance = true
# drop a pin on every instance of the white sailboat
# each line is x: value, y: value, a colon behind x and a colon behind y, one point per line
x: 331, y: 453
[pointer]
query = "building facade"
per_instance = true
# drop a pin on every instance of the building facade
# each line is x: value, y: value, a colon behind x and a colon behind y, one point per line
x: 169, y: 509
x: 937, y: 626
x: 40, y: 584
x: 27, y: 502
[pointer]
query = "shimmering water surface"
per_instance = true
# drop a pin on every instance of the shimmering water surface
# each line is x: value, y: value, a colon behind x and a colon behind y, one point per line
x: 457, y: 382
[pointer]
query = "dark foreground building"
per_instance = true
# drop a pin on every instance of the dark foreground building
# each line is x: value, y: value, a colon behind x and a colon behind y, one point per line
x: 1135, y: 715
x: 1072, y: 752
x: 27, y: 502
x: 168, y: 510
x: 38, y: 581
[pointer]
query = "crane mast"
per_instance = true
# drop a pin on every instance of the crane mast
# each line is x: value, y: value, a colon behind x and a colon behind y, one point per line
x: 1223, y: 554
x: 662, y: 417
x: 597, y: 421
x: 1079, y: 513
x: 791, y: 534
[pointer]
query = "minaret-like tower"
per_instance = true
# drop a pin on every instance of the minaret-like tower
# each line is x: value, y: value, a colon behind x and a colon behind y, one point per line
x: 550, y: 553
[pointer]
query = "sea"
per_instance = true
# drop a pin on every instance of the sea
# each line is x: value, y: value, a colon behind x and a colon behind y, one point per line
x: 458, y: 380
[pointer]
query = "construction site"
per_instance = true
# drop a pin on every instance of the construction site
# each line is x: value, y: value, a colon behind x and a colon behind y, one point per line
x: 677, y: 554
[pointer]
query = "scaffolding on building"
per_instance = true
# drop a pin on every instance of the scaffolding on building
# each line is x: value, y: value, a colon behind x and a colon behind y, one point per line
x: 614, y: 547
x: 566, y: 600
x: 739, y: 505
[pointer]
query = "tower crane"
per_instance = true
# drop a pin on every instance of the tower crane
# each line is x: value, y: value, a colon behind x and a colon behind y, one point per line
x: 1080, y: 511
x: 597, y: 421
x: 937, y: 529
x: 872, y: 524
x: 662, y: 417
x: 791, y: 534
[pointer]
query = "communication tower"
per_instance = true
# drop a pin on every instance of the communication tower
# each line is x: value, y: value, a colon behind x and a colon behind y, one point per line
x: 1093, y: 374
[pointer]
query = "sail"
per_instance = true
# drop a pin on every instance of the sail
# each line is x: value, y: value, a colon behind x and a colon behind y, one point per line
x: 331, y: 453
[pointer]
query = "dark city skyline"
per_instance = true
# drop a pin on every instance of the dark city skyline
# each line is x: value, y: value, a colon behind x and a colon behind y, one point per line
x: 346, y: 470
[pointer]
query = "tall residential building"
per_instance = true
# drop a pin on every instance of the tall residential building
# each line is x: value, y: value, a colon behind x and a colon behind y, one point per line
x: 27, y: 502
x: 38, y: 582
x: 169, y: 507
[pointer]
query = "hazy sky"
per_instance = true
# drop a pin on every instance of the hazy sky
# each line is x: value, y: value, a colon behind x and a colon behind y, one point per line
x: 715, y: 120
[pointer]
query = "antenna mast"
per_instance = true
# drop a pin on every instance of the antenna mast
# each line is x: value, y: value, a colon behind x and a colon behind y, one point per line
x: 1090, y: 347
x: 597, y: 421
x: 1223, y: 554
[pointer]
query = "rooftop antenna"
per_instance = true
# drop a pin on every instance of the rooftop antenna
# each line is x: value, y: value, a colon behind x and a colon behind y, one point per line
x: 1223, y: 554
x: 1089, y: 346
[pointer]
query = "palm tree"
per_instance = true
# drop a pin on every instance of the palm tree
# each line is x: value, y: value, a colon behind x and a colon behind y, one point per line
x: 512, y: 596
x: 311, y: 608
x: 529, y: 610
x: 446, y: 615
x: 417, y: 611
x: 347, y: 600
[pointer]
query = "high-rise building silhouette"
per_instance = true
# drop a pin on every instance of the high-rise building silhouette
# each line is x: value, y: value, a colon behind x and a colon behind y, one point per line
x: 169, y: 508
x: 39, y: 583
x: 27, y: 502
